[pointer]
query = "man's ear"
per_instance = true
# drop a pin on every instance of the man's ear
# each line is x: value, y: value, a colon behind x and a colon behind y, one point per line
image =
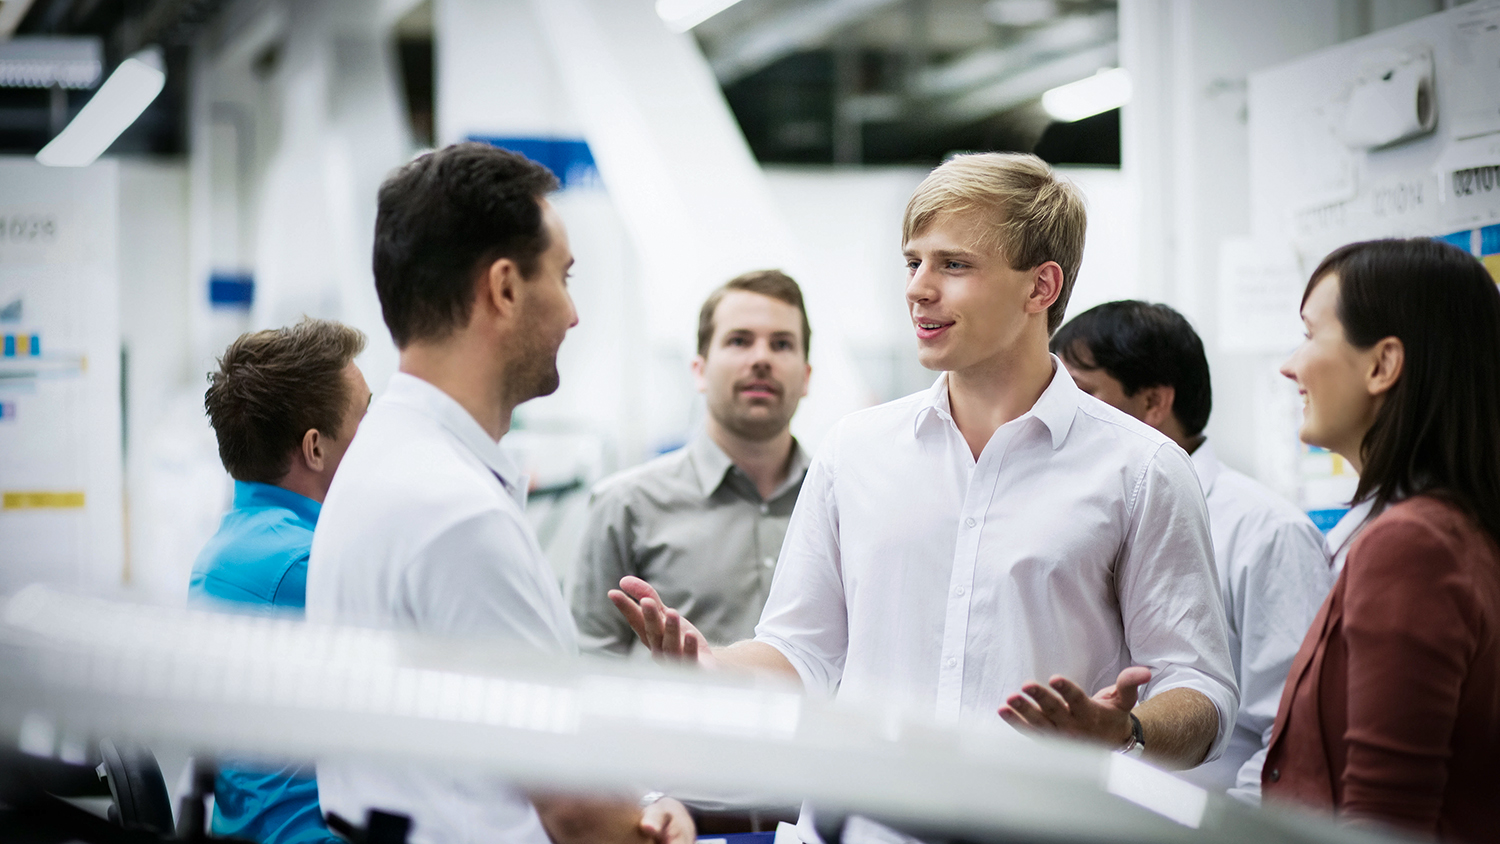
x: 806, y: 379
x: 700, y: 381
x: 313, y: 451
x: 1159, y: 401
x: 1386, y: 364
x: 498, y: 287
x: 1046, y: 286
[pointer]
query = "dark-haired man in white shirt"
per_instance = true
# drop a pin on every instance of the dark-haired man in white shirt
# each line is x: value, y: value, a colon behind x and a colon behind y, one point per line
x: 1001, y: 541
x: 423, y: 528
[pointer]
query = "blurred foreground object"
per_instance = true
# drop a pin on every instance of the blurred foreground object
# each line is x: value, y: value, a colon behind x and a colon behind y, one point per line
x: 81, y: 666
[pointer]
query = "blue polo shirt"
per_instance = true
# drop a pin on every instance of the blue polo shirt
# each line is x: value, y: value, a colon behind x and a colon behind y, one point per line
x: 258, y: 563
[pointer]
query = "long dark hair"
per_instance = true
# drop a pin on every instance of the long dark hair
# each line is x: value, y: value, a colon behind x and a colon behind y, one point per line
x: 1438, y: 431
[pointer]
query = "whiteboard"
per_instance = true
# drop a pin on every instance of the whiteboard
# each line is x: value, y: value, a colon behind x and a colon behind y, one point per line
x: 1314, y: 186
x: 61, y: 516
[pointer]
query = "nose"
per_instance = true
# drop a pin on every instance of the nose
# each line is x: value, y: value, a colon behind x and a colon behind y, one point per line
x: 1288, y: 367
x: 919, y: 287
x: 760, y: 358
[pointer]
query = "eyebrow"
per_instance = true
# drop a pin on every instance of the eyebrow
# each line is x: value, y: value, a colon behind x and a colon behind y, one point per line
x: 946, y: 253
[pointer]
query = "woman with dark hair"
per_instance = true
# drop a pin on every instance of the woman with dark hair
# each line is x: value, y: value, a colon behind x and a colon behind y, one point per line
x: 1391, y: 712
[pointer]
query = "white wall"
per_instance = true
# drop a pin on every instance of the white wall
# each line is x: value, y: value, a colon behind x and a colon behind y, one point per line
x: 1185, y: 144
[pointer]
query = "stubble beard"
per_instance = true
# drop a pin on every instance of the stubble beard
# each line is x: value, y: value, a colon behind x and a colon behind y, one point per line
x: 751, y: 429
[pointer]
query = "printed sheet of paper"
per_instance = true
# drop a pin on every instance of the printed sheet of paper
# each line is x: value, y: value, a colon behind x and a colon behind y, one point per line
x: 61, y: 518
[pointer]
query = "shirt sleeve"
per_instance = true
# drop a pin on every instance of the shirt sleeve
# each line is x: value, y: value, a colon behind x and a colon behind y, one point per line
x: 603, y: 558
x: 1170, y: 603
x: 805, y: 617
x: 472, y: 580
x: 1280, y: 579
x: 1410, y: 625
x: 290, y: 592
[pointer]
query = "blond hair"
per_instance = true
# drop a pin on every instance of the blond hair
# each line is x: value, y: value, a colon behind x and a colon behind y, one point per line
x: 1031, y: 214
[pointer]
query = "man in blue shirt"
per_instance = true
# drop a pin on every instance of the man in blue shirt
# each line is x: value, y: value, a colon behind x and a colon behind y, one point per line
x: 284, y: 405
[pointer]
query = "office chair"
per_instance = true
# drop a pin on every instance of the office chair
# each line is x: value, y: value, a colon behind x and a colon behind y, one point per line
x: 136, y: 784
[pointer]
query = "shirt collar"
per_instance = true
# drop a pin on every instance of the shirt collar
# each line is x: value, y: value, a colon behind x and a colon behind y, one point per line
x: 248, y: 494
x: 711, y: 465
x: 1055, y: 408
x: 1207, y: 464
x: 411, y: 392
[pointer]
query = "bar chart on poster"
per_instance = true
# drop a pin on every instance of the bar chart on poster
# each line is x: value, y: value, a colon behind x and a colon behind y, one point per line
x: 61, y: 518
x: 1396, y: 134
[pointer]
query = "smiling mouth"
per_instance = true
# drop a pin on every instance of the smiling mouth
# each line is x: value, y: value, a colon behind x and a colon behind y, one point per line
x: 929, y: 328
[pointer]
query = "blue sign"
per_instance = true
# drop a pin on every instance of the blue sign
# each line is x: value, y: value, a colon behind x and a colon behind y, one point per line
x: 569, y: 159
x: 231, y: 290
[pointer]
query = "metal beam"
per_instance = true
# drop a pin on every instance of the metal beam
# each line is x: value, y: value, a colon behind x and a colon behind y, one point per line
x: 801, y: 28
x: 984, y: 66
x: 1027, y: 85
x: 11, y: 12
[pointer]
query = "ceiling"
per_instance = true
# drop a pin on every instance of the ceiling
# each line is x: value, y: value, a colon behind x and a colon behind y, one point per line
x: 887, y: 81
x: 810, y: 81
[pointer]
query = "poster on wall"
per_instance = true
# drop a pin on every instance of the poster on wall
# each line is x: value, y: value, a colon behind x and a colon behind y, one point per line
x: 61, y: 518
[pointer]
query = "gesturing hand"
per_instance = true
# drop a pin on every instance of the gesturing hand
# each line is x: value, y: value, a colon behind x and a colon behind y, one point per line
x: 667, y: 822
x: 1062, y: 708
x: 663, y: 629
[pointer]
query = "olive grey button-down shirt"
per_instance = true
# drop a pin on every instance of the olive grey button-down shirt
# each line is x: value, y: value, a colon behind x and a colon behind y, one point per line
x: 692, y: 525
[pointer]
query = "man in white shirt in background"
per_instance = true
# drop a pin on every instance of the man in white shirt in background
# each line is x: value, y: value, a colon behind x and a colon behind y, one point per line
x: 1001, y: 541
x: 1148, y: 361
x: 704, y: 524
x: 423, y: 527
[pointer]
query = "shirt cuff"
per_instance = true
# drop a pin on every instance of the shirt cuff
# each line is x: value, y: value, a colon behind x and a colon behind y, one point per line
x: 817, y: 677
x: 1225, y: 700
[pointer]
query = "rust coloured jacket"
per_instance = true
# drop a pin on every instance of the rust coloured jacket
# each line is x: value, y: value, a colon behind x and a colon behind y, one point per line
x: 1391, y: 711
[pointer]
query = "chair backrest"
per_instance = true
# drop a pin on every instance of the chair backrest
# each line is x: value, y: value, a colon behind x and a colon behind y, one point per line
x: 135, y: 783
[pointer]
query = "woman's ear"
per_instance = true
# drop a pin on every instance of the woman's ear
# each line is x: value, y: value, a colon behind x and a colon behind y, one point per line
x: 1387, y: 360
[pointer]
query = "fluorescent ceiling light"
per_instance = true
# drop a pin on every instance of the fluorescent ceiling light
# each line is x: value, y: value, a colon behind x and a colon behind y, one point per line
x: 116, y: 105
x: 683, y: 15
x: 1099, y: 93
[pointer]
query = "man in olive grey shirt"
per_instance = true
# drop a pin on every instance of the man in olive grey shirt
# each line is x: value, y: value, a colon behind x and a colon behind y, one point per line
x: 704, y: 524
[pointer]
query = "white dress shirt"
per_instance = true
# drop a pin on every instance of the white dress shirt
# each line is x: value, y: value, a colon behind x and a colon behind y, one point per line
x: 1274, y: 574
x: 423, y: 530
x: 1077, y: 544
x: 1343, y: 533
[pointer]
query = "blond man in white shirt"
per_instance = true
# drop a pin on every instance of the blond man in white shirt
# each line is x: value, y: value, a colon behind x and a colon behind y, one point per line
x: 1146, y: 360
x: 1001, y: 542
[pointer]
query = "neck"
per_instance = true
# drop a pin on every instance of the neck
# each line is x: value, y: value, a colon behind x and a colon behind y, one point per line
x: 988, y: 395
x: 305, y: 482
x: 469, y: 374
x: 764, y: 462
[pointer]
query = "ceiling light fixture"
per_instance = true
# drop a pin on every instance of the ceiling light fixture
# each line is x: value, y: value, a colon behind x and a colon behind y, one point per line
x: 683, y: 15
x: 116, y: 105
x: 1105, y: 90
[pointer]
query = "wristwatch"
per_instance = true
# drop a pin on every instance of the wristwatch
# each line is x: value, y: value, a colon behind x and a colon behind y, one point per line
x: 1135, y: 746
x: 651, y: 797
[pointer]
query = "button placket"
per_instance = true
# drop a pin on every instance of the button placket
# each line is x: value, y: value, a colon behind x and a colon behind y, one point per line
x: 983, y: 478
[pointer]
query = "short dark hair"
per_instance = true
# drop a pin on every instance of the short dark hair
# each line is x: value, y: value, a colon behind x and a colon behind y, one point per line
x: 272, y: 387
x: 1438, y: 431
x: 773, y: 283
x: 440, y: 219
x: 1142, y: 345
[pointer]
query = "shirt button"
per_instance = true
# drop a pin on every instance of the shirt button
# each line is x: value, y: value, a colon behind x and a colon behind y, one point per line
x: 950, y: 662
x: 961, y: 591
x: 1275, y: 775
x: 969, y: 522
x: 769, y: 562
x: 764, y: 508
